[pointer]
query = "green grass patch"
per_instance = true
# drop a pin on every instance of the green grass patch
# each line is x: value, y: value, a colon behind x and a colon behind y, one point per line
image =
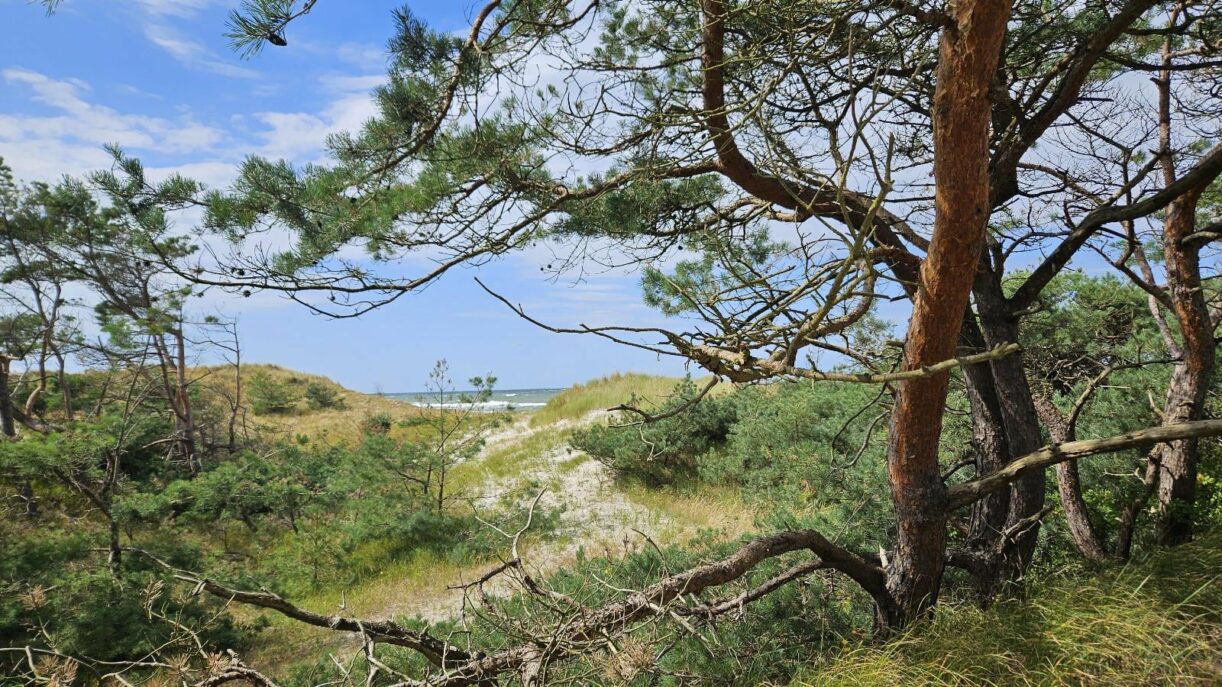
x: 695, y: 508
x: 605, y: 392
x: 1158, y: 622
x: 507, y: 459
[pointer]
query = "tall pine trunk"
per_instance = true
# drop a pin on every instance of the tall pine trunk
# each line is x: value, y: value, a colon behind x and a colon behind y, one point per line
x: 968, y: 54
x: 1190, y: 380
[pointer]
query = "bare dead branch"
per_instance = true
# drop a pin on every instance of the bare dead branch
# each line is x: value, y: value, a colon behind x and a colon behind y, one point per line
x: 969, y: 492
x: 438, y: 652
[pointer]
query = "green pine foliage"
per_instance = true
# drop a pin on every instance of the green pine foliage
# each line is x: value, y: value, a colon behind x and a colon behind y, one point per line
x: 667, y: 450
x: 322, y: 396
x: 268, y: 395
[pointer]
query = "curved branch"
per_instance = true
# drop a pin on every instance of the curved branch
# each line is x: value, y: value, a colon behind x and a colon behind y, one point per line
x: 438, y: 652
x: 599, y: 625
x: 740, y: 367
x: 1203, y: 173
x: 851, y: 206
x: 1076, y: 68
x: 648, y: 418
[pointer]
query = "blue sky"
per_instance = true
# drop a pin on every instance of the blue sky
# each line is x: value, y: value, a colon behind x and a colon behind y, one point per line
x: 158, y: 78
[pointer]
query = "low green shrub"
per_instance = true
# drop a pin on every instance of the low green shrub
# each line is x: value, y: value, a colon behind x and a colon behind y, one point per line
x: 667, y: 450
x: 377, y: 424
x: 320, y: 396
x: 270, y: 396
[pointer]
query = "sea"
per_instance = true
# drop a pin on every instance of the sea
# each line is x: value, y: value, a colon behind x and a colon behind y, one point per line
x: 525, y: 400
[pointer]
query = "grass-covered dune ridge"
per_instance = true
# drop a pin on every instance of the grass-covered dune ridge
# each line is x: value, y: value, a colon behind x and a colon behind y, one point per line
x: 339, y: 421
x: 606, y: 392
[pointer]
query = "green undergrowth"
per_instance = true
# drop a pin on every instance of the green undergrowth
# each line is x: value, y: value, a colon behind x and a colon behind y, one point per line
x: 1155, y: 622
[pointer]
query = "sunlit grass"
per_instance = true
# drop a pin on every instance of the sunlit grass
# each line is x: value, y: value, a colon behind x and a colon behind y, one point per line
x: 325, y: 426
x: 1152, y: 623
x: 506, y: 460
x: 403, y: 588
x: 603, y: 393
x: 691, y: 510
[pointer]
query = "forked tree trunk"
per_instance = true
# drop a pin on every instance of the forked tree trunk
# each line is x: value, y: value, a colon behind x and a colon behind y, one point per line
x: 1014, y: 547
x: 182, y: 392
x: 988, y: 516
x: 1190, y: 381
x: 968, y: 53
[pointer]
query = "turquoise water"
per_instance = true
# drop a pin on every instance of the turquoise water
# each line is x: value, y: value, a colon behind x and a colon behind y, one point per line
x: 502, y: 399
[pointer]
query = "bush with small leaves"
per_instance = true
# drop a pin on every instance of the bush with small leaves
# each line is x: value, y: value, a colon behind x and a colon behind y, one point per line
x: 668, y: 449
x: 377, y: 424
x: 320, y: 396
x: 269, y: 396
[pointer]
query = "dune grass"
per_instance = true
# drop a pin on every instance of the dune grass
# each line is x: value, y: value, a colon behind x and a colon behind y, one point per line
x: 606, y: 392
x: 1157, y: 622
x: 711, y: 507
x: 506, y: 457
x: 406, y: 588
x: 326, y: 426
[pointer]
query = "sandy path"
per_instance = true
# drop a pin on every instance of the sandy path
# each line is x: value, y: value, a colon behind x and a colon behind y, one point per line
x: 595, y: 516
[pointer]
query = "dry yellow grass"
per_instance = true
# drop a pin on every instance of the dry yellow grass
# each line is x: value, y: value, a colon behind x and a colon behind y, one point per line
x: 1152, y: 622
x: 711, y: 508
x: 324, y: 426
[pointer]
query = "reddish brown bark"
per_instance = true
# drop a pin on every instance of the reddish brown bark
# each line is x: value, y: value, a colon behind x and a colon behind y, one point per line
x: 967, y: 59
x: 1190, y: 381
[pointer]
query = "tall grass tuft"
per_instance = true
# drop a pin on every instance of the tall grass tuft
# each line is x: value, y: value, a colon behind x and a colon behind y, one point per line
x: 1158, y: 622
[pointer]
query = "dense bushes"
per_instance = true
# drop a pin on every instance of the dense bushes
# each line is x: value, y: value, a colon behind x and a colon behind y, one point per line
x: 320, y: 396
x: 57, y: 589
x: 667, y: 450
x: 268, y: 395
x: 792, y: 444
x: 246, y: 488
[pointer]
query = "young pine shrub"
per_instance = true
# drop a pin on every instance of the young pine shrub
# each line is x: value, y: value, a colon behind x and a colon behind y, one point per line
x: 270, y: 396
x: 377, y: 424
x: 667, y: 450
x: 320, y: 396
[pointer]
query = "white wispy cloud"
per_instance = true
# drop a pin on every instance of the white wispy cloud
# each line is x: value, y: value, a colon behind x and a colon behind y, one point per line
x: 69, y: 139
x: 194, y: 54
x: 174, y: 8
x: 302, y: 136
